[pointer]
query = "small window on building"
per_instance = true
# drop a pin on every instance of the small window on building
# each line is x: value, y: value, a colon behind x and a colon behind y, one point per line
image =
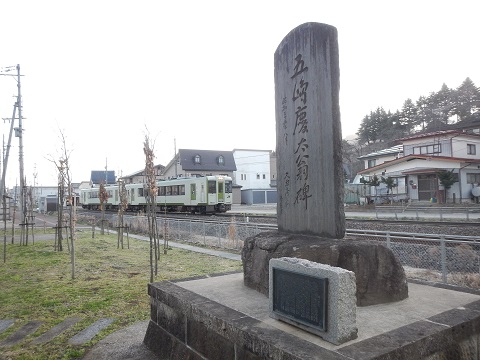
x: 372, y: 163
x: 471, y: 149
x: 263, y: 176
x: 197, y: 159
x: 221, y: 160
x: 427, y: 149
x: 473, y: 178
x: 258, y: 176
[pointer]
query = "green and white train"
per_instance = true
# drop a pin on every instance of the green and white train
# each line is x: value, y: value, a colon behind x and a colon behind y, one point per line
x: 206, y: 194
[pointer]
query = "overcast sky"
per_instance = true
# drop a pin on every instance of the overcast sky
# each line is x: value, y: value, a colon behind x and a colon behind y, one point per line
x: 107, y: 73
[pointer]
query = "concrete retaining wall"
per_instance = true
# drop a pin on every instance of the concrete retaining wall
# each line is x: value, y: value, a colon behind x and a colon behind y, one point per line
x: 185, y: 325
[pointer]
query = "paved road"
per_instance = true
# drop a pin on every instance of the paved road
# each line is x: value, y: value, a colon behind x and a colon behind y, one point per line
x: 437, y: 213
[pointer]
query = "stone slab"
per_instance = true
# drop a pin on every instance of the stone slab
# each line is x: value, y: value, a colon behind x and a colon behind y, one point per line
x: 341, y: 299
x: 55, y: 331
x: 21, y: 334
x: 87, y: 334
x: 5, y: 324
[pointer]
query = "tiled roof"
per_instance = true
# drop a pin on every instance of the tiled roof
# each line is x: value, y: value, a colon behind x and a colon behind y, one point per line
x: 210, y: 160
x: 432, y: 134
x: 393, y: 150
x: 98, y: 176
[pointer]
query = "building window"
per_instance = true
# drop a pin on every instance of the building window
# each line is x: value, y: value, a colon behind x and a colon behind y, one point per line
x: 427, y: 149
x: 263, y: 176
x: 197, y: 159
x: 372, y: 163
x: 471, y: 149
x: 258, y: 176
x: 473, y: 178
x: 221, y: 160
x: 243, y: 176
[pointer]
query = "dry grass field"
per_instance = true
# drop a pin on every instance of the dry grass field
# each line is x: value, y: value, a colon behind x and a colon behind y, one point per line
x: 36, y: 284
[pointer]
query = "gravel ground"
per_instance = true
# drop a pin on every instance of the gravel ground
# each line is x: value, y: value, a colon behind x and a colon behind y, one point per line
x: 419, y: 228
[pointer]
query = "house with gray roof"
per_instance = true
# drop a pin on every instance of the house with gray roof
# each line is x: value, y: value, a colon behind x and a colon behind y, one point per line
x: 102, y: 176
x: 192, y: 162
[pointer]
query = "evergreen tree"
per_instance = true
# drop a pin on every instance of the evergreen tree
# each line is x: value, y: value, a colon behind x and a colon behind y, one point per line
x: 442, y: 106
x: 429, y: 113
x: 408, y: 116
x: 466, y: 100
x: 423, y: 113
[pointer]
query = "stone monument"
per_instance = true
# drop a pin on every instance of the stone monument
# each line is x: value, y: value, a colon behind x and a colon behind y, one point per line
x: 317, y: 276
x: 311, y: 219
x: 309, y: 139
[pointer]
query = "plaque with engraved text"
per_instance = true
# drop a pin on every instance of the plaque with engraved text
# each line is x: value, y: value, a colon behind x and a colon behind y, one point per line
x: 300, y: 297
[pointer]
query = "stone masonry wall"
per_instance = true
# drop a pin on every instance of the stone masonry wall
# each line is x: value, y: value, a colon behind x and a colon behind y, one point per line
x: 185, y: 325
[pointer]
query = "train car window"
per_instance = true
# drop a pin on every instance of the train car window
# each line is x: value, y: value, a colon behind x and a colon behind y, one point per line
x: 212, y: 186
x: 161, y: 191
x: 175, y: 190
x: 168, y: 190
x: 228, y: 187
x: 140, y: 192
x: 181, y: 189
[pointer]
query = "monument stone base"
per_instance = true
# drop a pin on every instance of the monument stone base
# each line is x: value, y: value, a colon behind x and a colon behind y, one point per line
x: 379, y: 274
x: 219, y: 318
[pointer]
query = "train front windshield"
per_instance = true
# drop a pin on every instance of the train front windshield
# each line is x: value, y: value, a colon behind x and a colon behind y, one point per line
x: 228, y: 187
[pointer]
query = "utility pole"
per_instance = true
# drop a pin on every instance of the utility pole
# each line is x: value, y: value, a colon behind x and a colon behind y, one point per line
x: 19, y: 134
x: 35, y: 192
x: 175, y: 155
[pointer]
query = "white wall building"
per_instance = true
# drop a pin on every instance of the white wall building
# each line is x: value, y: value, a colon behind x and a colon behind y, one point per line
x: 253, y: 168
x: 416, y: 168
x: 254, y: 174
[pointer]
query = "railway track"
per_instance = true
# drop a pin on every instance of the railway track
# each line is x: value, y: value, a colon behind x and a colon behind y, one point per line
x: 272, y: 219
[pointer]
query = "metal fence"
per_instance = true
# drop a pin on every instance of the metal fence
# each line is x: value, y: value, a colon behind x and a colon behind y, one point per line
x: 406, y: 212
x: 431, y: 257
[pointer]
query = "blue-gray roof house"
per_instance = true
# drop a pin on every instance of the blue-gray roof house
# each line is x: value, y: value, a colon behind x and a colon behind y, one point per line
x: 99, y: 176
x: 191, y: 162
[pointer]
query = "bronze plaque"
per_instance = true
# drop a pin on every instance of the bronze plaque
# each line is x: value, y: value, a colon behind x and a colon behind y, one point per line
x: 300, y: 297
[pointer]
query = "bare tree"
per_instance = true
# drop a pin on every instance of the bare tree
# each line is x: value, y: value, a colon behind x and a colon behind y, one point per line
x: 103, y: 197
x: 60, y: 197
x: 121, y: 210
x: 150, y: 187
x: 65, y: 193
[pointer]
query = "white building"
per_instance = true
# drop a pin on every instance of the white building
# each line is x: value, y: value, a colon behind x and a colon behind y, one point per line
x: 254, y: 175
x: 253, y: 168
x: 418, y: 160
